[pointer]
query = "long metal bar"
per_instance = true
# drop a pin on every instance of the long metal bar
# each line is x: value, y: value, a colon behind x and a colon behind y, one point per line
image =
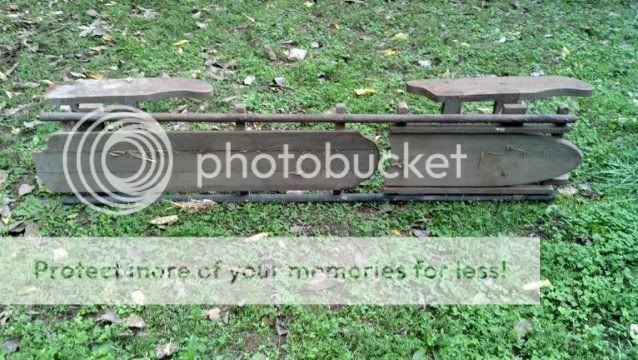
x: 325, y: 118
x: 326, y: 197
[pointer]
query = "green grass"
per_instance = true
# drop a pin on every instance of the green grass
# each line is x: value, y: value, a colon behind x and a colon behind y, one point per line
x: 588, y: 243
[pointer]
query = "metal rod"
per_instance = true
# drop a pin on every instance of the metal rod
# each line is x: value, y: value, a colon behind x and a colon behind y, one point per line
x: 325, y: 118
x: 325, y: 197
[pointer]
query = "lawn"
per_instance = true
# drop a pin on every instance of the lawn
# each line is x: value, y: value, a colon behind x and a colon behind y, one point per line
x: 589, y: 232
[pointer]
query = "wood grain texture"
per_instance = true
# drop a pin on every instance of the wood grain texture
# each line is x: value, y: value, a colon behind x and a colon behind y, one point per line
x: 506, y: 89
x: 124, y: 160
x: 126, y: 91
x: 493, y: 160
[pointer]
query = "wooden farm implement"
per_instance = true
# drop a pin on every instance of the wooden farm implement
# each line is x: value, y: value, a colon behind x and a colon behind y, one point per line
x: 508, y: 154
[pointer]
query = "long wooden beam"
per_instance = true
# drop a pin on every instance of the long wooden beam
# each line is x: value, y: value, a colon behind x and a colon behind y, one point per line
x: 324, y: 118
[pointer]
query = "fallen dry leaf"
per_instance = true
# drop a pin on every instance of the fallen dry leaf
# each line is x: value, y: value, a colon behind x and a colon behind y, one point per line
x: 109, y: 316
x: 31, y: 230
x: 195, y: 205
x: 536, y: 285
x: 280, y: 327
x: 25, y: 189
x: 279, y: 81
x: 296, y: 54
x: 501, y: 40
x: 97, y: 28
x: 181, y: 43
x: 165, y: 350
x: 135, y: 322
x: 270, y: 54
x: 364, y: 91
x: 217, y: 315
x: 425, y: 63
x: 249, y: 80
x: 92, y: 13
x: 164, y: 220
x: 564, y: 52
x: 400, y: 37
x: 389, y: 52
x: 201, y: 25
x: 94, y: 75
x: 315, y: 45
x: 10, y: 345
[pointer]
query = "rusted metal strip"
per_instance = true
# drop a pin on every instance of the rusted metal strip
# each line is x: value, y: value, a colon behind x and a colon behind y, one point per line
x: 327, y: 118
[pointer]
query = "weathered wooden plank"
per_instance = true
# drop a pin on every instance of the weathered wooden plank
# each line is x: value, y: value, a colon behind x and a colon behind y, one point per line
x: 126, y: 91
x: 479, y: 129
x: 492, y: 159
x: 205, y: 141
x: 506, y: 89
x: 124, y: 160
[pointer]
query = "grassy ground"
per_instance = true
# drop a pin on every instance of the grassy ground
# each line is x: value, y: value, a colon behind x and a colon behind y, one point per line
x: 589, y: 239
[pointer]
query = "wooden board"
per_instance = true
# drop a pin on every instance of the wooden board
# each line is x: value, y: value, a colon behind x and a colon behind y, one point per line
x: 493, y: 160
x: 124, y: 160
x: 480, y: 129
x: 509, y: 89
x: 126, y: 91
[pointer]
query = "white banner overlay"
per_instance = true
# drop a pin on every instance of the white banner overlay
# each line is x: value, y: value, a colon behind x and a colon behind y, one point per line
x: 264, y: 270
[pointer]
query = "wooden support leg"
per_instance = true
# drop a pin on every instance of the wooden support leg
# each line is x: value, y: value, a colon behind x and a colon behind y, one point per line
x: 340, y: 109
x: 402, y: 108
x: 452, y: 107
x: 563, y: 109
x: 241, y: 126
x: 240, y: 109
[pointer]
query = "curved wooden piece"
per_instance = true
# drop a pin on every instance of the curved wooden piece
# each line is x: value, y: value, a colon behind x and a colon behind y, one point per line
x: 126, y: 91
x: 493, y: 160
x: 124, y: 160
x: 509, y: 89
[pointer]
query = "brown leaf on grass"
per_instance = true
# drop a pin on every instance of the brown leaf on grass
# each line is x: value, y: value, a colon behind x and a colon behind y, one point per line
x: 181, y: 42
x: 164, y: 220
x: 217, y: 315
x: 165, y: 350
x: 97, y: 28
x: 249, y: 80
x: 364, y: 91
x: 279, y: 81
x: 26, y: 85
x: 280, y: 327
x: 94, y: 75
x: 296, y: 54
x: 92, y: 13
x: 32, y: 230
x: 25, y: 189
x: 108, y: 316
x: 10, y: 345
x: 201, y: 25
x: 270, y: 54
x: 135, y: 322
x: 194, y: 205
